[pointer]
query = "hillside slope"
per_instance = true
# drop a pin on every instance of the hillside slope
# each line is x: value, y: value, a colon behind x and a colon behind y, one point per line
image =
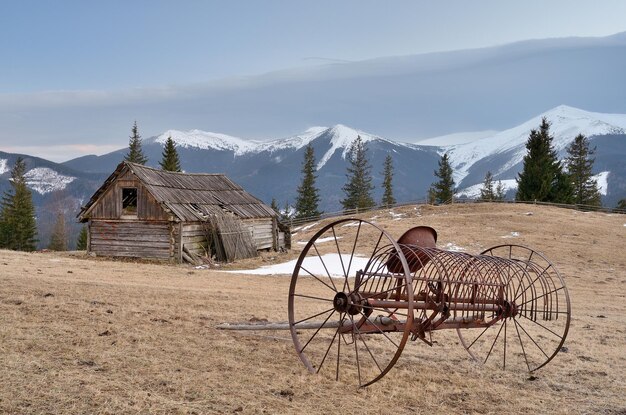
x: 96, y: 336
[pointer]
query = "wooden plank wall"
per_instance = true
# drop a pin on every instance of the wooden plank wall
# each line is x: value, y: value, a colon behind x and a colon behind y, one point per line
x: 133, y: 239
x: 262, y: 232
x: 110, y: 204
x: 194, y: 237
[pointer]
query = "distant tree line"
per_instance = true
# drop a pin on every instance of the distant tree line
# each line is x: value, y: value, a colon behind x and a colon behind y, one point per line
x: 543, y: 178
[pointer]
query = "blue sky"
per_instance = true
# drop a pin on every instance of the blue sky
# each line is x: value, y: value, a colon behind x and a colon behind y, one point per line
x: 50, y: 48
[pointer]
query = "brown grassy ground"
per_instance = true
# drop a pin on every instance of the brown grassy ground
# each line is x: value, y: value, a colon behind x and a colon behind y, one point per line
x: 81, y: 335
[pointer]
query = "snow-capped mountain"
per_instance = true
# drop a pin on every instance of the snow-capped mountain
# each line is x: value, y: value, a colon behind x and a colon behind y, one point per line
x: 566, y: 123
x: 55, y: 189
x: 502, y: 152
x: 206, y: 141
x: 272, y: 169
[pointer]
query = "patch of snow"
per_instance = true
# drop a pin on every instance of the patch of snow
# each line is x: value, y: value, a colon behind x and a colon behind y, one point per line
x: 207, y: 140
x: 3, y: 166
x: 307, y: 227
x: 45, y: 180
x: 397, y: 215
x: 313, y: 264
x: 319, y: 240
x: 350, y: 224
x: 603, y: 182
x: 450, y: 246
x: 511, y: 235
x: 455, y: 138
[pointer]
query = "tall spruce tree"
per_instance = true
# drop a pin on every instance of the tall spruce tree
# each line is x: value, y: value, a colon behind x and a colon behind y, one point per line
x: 18, y: 227
x: 579, y: 165
x: 274, y: 206
x: 388, y: 199
x: 58, y: 239
x: 135, y: 152
x: 359, y: 187
x: 81, y: 242
x: 307, y: 201
x: 443, y: 189
x: 500, y: 192
x: 487, y: 192
x: 542, y: 177
x: 170, y: 160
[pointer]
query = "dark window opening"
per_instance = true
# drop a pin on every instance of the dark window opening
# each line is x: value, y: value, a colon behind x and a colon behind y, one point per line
x: 129, y: 201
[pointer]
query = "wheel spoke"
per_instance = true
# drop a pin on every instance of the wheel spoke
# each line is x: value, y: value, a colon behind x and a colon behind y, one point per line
x: 543, y: 295
x: 533, y: 340
x: 315, y: 276
x: 325, y: 268
x: 379, y: 329
x: 504, y: 357
x: 367, y: 347
x: 521, y: 344
x: 313, y: 316
x: 356, y: 352
x: 532, y: 283
x: 328, y: 349
x: 479, y: 336
x: 542, y: 326
x: 339, y: 349
x: 312, y: 297
x: 494, y: 343
x: 356, y: 238
x: 318, y: 330
x: 343, y: 268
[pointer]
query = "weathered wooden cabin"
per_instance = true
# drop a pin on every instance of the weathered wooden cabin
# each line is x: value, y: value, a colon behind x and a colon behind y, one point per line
x: 148, y: 213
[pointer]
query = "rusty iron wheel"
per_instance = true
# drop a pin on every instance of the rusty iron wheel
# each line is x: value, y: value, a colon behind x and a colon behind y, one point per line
x: 534, y: 318
x: 350, y: 339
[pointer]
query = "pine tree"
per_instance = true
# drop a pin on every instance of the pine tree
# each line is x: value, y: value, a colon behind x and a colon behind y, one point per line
x: 542, y: 177
x: 621, y: 204
x: 359, y: 186
x: 285, y: 214
x: 18, y: 228
x: 274, y: 206
x: 307, y: 201
x: 135, y: 152
x: 579, y: 165
x: 486, y: 192
x: 58, y: 239
x: 388, y: 199
x: 500, y: 191
x: 170, y: 160
x: 443, y: 190
x: 81, y: 243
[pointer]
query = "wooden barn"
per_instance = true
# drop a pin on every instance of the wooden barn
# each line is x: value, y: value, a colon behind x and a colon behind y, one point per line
x: 148, y: 213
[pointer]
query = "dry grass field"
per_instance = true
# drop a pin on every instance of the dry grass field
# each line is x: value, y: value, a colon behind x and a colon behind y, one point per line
x: 88, y: 335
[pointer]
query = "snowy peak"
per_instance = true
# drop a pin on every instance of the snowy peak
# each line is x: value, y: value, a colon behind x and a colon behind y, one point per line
x: 566, y: 123
x: 207, y: 140
x: 342, y: 137
x: 294, y: 142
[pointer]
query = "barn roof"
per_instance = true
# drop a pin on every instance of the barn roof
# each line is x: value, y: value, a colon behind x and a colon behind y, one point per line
x: 189, y: 196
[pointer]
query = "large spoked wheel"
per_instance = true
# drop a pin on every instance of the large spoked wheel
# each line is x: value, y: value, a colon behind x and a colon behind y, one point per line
x: 538, y: 310
x: 337, y: 326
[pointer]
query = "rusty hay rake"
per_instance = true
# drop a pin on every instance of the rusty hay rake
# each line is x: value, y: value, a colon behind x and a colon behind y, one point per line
x: 357, y: 296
